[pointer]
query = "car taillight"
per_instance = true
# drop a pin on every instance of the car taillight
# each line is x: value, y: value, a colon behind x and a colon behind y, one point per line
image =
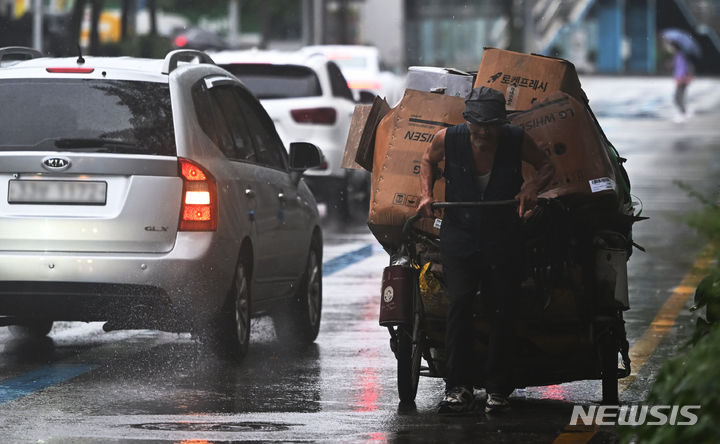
x: 199, y: 198
x: 314, y: 115
x: 181, y: 41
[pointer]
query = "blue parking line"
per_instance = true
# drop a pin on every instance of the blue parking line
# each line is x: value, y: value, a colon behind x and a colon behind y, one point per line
x: 343, y: 261
x: 39, y: 379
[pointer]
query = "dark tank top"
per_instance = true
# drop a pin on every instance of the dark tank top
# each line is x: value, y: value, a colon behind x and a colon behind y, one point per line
x: 494, y: 231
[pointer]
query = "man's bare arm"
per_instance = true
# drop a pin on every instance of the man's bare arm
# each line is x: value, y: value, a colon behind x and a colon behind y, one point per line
x: 433, y: 155
x: 544, y: 172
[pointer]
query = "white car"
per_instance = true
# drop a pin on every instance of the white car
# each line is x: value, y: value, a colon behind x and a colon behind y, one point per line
x: 361, y: 67
x: 151, y: 194
x: 309, y: 100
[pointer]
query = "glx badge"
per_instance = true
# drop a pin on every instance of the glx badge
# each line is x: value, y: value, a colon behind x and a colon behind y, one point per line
x: 56, y: 163
x: 154, y: 228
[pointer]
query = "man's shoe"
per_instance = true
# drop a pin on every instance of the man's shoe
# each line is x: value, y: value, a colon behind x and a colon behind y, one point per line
x: 457, y: 400
x: 496, y: 403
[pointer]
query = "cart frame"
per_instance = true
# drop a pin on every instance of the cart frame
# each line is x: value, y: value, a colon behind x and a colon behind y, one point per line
x: 410, y: 342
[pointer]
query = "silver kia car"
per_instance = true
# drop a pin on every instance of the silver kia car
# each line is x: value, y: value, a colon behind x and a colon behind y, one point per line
x: 151, y: 194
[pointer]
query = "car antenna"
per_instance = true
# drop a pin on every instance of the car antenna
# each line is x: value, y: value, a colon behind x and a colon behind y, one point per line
x: 80, y: 59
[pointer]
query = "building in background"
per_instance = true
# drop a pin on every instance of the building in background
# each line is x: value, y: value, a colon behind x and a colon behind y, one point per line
x: 603, y: 36
x: 452, y: 33
x: 382, y: 24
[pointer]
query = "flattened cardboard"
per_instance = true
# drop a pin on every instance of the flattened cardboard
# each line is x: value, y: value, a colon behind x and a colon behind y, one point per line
x: 401, y: 139
x: 527, y: 79
x: 361, y: 136
x: 357, y: 127
x: 563, y: 128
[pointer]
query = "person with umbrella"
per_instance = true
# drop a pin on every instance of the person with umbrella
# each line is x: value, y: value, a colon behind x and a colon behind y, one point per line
x: 684, y: 47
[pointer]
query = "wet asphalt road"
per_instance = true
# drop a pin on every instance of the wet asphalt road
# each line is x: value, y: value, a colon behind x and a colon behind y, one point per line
x: 82, y: 385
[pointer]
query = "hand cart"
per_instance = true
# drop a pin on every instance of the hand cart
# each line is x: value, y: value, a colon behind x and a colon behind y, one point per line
x: 569, y: 319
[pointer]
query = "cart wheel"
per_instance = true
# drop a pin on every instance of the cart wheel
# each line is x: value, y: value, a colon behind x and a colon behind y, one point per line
x: 609, y: 362
x: 408, y: 364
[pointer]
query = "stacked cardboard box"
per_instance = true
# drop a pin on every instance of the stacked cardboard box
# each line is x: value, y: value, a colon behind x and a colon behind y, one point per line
x: 549, y: 105
x: 400, y: 142
x: 447, y: 81
x: 399, y: 138
x: 564, y: 129
x: 526, y: 79
x: 544, y: 97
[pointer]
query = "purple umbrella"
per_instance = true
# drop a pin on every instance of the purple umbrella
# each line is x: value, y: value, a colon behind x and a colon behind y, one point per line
x: 684, y: 40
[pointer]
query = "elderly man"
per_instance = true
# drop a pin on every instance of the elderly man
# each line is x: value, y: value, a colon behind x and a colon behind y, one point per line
x: 481, y: 247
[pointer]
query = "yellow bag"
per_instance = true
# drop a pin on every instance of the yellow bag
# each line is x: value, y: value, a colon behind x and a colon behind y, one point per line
x: 432, y: 292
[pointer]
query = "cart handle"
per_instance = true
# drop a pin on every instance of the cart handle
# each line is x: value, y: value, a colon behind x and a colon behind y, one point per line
x: 486, y: 203
x: 541, y: 201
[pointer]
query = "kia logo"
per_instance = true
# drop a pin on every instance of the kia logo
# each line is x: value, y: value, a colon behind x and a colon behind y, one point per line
x: 56, y: 163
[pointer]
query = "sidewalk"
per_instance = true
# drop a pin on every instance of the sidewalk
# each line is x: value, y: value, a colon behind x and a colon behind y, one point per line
x: 648, y: 97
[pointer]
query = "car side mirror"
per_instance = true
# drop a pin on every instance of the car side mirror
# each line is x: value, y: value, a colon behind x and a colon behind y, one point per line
x: 303, y: 156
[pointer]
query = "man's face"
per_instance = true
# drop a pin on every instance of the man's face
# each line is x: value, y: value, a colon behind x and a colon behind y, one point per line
x: 484, y: 133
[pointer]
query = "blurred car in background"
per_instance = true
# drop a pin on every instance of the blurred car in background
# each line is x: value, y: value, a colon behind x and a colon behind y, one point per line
x: 309, y: 100
x: 200, y: 39
x: 361, y: 67
x: 151, y: 194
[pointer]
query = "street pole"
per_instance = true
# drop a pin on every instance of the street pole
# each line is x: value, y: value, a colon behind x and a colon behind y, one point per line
x: 343, y: 34
x: 234, y: 22
x: 37, y: 25
x: 307, y: 22
x: 529, y: 44
x: 319, y: 22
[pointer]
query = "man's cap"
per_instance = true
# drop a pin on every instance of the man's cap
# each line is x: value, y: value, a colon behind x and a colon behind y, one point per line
x: 485, y: 106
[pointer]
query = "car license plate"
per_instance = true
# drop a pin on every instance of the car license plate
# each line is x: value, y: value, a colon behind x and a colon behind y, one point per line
x: 57, y: 192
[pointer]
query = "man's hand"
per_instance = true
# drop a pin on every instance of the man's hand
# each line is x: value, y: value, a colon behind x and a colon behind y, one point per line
x: 544, y: 171
x: 527, y: 201
x: 425, y: 206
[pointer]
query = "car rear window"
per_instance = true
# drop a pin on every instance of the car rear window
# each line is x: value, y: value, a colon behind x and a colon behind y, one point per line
x: 350, y: 62
x: 277, y: 81
x: 86, y: 115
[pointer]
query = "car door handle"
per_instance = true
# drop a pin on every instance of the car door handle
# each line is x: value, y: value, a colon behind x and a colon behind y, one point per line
x: 249, y: 193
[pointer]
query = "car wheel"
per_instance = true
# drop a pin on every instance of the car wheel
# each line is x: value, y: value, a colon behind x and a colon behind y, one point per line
x: 357, y: 195
x: 300, y: 320
x: 230, y: 333
x: 241, y: 311
x: 31, y: 329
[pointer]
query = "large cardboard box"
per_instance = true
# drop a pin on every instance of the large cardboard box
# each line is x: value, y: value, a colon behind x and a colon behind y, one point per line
x: 527, y: 79
x: 400, y: 141
x: 564, y: 128
x: 361, y: 136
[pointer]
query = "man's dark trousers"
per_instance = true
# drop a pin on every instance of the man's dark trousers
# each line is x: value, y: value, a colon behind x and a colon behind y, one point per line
x: 500, y: 287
